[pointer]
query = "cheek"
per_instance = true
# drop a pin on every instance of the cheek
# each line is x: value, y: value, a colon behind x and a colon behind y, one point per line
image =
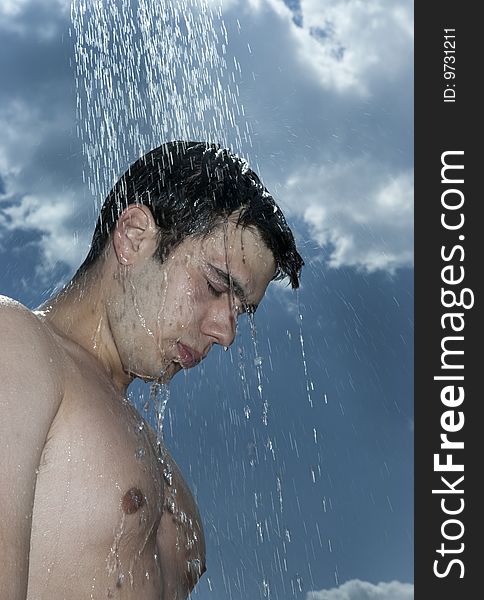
x: 195, y: 304
x: 181, y: 303
x: 188, y: 303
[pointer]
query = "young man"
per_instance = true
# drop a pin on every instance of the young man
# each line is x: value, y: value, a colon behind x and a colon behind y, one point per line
x: 90, y: 506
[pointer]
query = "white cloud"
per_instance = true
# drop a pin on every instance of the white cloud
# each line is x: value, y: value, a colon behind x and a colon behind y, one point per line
x: 363, y: 590
x: 360, y: 209
x: 15, y: 16
x: 344, y: 45
x: 14, y: 8
x: 11, y: 8
x: 35, y: 199
x: 52, y: 217
x: 23, y: 128
x: 361, y: 42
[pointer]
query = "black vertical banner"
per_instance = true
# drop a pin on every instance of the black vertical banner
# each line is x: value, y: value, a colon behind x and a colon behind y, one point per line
x: 449, y: 337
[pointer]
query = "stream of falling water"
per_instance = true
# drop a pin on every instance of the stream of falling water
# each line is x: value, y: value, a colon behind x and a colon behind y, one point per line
x: 159, y: 396
x: 258, y: 369
x: 308, y: 380
x: 149, y: 72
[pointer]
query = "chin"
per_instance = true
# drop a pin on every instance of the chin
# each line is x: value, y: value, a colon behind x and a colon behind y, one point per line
x: 160, y: 377
x: 169, y: 373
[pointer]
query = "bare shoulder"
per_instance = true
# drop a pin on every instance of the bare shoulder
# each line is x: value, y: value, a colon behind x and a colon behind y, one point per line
x: 28, y: 345
x: 15, y: 314
x: 31, y: 364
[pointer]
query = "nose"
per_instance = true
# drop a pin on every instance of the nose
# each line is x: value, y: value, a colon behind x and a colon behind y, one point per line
x: 220, y: 324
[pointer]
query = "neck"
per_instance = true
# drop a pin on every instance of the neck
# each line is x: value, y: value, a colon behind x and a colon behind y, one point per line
x: 78, y: 314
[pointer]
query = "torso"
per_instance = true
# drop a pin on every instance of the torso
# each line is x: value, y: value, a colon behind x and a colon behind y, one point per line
x: 98, y: 497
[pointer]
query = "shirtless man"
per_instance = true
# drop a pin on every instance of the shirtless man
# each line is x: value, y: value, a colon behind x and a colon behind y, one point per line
x: 91, y: 506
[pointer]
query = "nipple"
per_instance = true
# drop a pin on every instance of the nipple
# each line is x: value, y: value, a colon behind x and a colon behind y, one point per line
x: 133, y: 500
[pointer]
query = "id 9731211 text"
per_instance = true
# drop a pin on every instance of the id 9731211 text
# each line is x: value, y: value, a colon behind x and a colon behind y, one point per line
x: 449, y: 65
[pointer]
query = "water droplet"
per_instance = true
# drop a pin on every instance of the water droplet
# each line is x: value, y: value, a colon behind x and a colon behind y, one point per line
x: 140, y: 453
x: 170, y: 505
x: 168, y: 475
x: 120, y: 580
x: 195, y: 566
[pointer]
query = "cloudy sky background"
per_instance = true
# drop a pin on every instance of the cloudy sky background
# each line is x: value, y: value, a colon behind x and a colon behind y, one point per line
x: 322, y: 495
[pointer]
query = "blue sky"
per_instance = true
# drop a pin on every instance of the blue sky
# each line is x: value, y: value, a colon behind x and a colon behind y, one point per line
x: 318, y: 503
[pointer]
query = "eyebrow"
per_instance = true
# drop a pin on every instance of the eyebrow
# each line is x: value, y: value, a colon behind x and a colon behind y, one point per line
x: 236, y: 286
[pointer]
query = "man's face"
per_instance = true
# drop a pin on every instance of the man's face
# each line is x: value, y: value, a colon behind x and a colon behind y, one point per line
x: 172, y: 313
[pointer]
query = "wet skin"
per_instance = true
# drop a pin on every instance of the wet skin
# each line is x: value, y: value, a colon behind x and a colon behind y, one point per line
x: 85, y: 498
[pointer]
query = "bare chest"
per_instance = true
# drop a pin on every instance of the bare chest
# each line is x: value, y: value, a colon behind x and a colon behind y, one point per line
x: 98, y: 502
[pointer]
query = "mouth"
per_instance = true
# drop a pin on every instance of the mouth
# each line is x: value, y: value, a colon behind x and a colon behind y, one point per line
x: 188, y: 356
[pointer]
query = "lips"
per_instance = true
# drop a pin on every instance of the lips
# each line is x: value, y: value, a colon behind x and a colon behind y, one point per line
x: 188, y: 356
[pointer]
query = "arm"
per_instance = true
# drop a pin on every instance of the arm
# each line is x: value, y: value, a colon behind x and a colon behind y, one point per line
x: 180, y: 538
x: 30, y: 393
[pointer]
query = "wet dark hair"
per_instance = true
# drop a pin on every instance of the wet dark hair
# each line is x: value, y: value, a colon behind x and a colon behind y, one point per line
x: 190, y: 188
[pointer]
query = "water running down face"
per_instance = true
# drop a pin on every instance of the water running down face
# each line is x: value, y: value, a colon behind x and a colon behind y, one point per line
x: 171, y: 314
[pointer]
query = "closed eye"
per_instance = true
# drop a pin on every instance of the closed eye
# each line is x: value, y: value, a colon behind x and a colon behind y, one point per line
x: 213, y: 290
x: 244, y: 309
x: 225, y: 283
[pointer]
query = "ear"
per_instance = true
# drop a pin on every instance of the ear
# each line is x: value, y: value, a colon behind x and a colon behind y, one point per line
x: 135, y: 235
